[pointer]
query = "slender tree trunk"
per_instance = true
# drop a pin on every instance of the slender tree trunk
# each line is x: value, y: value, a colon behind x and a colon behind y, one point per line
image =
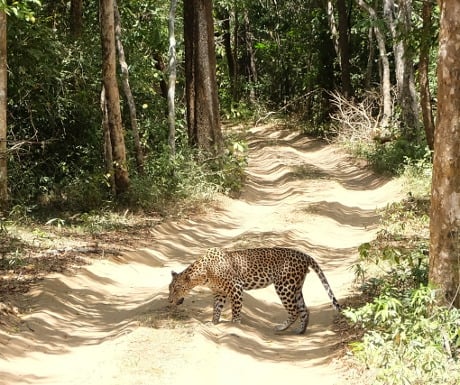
x: 333, y: 26
x: 230, y: 53
x: 344, y: 48
x: 76, y: 18
x: 127, y: 91
x: 370, y: 59
x: 398, y: 18
x: 108, y: 159
x: 3, y: 113
x: 425, y: 94
x: 252, y: 69
x: 385, y: 78
x: 161, y: 66
x: 172, y: 78
x: 203, y: 118
x: 112, y: 95
x: 444, y: 272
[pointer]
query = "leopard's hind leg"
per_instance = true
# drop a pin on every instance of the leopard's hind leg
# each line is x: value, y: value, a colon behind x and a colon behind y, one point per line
x: 290, y: 303
x: 303, y: 312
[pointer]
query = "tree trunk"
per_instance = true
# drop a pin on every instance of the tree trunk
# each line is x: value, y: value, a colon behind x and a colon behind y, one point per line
x: 161, y: 66
x: 3, y: 113
x: 425, y: 94
x: 333, y: 26
x: 203, y: 118
x: 370, y: 59
x: 112, y: 96
x: 230, y: 53
x: 398, y: 19
x: 252, y: 69
x: 444, y: 272
x: 76, y: 18
x: 344, y: 48
x: 172, y: 78
x: 127, y: 91
x: 385, y: 78
x: 107, y: 143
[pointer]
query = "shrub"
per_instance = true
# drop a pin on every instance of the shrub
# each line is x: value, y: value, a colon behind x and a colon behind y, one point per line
x: 408, y: 338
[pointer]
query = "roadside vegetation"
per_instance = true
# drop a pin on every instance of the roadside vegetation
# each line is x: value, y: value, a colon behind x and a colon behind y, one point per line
x: 405, y: 337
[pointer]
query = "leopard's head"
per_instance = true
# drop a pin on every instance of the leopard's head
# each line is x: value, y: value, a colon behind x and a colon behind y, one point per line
x: 179, y: 287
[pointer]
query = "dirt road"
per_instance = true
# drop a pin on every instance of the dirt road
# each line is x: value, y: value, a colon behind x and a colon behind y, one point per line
x: 111, y: 324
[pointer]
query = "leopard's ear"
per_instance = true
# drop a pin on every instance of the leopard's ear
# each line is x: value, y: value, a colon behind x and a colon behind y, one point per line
x: 173, y: 273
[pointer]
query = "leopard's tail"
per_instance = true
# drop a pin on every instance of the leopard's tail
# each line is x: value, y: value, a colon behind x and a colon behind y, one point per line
x: 314, y: 265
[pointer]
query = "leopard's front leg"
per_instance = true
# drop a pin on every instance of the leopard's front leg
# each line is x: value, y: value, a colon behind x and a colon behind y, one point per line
x: 219, y: 302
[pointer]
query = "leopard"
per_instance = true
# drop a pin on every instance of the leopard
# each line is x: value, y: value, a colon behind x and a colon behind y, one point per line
x: 228, y: 273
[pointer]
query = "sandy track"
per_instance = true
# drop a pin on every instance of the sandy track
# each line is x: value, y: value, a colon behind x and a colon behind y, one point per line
x: 110, y: 323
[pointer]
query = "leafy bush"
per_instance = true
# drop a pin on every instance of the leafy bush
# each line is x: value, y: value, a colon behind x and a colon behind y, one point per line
x: 188, y: 176
x: 168, y: 180
x: 392, y: 156
x: 228, y: 170
x: 408, y: 338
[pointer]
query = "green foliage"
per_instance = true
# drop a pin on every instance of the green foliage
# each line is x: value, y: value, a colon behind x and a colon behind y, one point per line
x: 188, y: 176
x: 55, y: 139
x: 21, y: 9
x: 169, y: 180
x: 417, y: 175
x: 408, y: 338
x: 53, y: 92
x: 228, y: 170
x: 392, y: 156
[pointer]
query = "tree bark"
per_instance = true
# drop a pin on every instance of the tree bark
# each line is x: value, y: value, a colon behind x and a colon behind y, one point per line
x: 112, y: 96
x: 333, y: 26
x: 107, y: 143
x: 344, y: 48
x: 230, y: 52
x: 370, y: 59
x: 398, y: 19
x: 172, y: 78
x: 425, y: 94
x: 3, y: 113
x: 250, y: 52
x: 444, y: 273
x: 76, y: 18
x: 203, y: 118
x: 385, y: 77
x: 127, y: 91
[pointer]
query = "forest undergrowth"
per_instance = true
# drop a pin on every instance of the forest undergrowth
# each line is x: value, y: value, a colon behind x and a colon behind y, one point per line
x: 399, y: 335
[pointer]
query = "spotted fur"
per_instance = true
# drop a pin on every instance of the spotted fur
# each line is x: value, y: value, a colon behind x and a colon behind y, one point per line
x: 229, y: 273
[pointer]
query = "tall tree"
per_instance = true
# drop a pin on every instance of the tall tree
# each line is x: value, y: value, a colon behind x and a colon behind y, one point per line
x: 444, y: 271
x: 225, y: 18
x: 3, y: 112
x: 398, y: 16
x: 385, y: 76
x: 127, y: 91
x: 172, y: 77
x: 76, y: 18
x: 425, y: 94
x: 250, y: 57
x: 203, y: 118
x: 112, y: 96
x: 340, y: 33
